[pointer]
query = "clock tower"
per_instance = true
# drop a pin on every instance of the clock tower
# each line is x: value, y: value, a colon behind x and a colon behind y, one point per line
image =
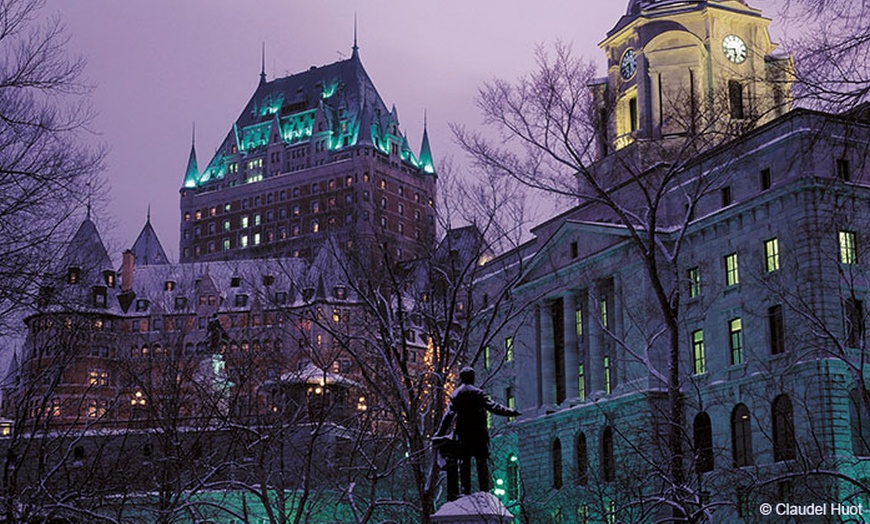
x: 688, y: 67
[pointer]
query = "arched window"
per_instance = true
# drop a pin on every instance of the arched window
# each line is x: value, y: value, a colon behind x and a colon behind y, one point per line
x: 859, y: 422
x: 703, y: 438
x: 608, y: 466
x: 582, y: 460
x: 783, y: 429
x: 741, y: 436
x: 557, y: 464
x: 513, y: 477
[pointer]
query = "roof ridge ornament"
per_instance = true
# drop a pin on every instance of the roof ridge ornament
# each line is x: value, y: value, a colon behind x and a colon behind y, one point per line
x: 263, y: 64
x: 355, y: 48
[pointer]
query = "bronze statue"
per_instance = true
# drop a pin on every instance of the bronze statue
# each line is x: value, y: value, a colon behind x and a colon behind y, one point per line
x: 470, y: 438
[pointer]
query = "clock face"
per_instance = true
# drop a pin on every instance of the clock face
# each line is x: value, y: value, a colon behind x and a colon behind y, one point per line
x: 734, y: 48
x: 628, y: 65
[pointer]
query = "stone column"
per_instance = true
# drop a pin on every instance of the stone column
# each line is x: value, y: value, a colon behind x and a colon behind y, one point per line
x: 595, y: 371
x: 572, y: 350
x: 548, y: 365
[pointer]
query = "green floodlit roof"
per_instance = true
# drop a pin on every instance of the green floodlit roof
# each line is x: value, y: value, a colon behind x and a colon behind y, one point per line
x: 191, y: 174
x: 341, y: 95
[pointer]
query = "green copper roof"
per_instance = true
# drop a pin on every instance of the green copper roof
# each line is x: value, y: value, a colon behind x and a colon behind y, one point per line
x: 337, y: 102
x: 191, y: 175
x: 426, y: 163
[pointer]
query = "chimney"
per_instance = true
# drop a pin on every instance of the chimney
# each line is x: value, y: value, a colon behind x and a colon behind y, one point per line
x: 127, y: 263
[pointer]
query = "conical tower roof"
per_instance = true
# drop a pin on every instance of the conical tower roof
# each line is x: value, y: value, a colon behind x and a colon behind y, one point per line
x: 191, y: 174
x: 147, y: 248
x: 426, y: 162
x: 86, y: 250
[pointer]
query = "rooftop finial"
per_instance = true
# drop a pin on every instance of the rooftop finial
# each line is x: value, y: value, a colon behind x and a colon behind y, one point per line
x: 355, y: 47
x: 263, y: 64
x: 148, y: 215
x: 193, y: 134
x: 89, y: 201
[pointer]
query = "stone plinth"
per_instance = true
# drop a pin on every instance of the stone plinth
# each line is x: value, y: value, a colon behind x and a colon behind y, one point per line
x: 477, y: 508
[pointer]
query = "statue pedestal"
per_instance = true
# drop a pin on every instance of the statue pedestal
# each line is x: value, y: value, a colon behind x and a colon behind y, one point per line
x: 477, y: 508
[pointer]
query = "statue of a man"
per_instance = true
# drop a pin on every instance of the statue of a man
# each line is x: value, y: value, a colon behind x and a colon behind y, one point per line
x: 468, y: 407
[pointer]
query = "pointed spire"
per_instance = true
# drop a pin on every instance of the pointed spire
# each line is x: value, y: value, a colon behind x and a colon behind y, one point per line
x: 147, y: 248
x: 263, y: 64
x: 148, y: 215
x: 355, y: 48
x: 426, y: 162
x: 191, y: 175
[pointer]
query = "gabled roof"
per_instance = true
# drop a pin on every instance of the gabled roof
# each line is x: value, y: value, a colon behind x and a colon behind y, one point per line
x: 147, y: 249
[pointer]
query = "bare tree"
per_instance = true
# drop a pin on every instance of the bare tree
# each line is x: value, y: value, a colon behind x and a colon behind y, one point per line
x: 832, y: 70
x: 47, y: 170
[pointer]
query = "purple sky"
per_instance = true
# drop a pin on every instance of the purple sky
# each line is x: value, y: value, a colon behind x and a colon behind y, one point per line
x: 160, y: 65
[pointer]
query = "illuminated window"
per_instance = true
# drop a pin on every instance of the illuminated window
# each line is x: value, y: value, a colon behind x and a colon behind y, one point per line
x: 771, y: 255
x: 848, y: 249
x: 694, y: 275
x: 98, y: 378
x: 735, y: 340
x: 487, y: 357
x: 97, y: 408
x: 699, y: 358
x: 578, y: 322
x: 244, y: 221
x: 315, y: 226
x: 582, y: 514
x: 243, y: 241
x: 509, y: 349
x: 731, y: 274
x: 581, y: 382
x: 256, y: 239
x: 608, y: 384
x: 257, y: 219
x: 226, y: 244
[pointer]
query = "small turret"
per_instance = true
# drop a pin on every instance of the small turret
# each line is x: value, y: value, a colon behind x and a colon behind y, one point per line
x: 191, y: 175
x: 426, y: 163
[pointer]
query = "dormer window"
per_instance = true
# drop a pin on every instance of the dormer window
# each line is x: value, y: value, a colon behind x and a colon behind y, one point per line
x: 73, y: 275
x: 235, y: 282
x: 281, y: 297
x: 99, y: 297
x: 268, y: 280
x: 241, y: 300
x: 169, y: 285
x: 180, y: 303
x: 339, y: 292
x: 307, y: 294
x: 109, y: 277
x: 142, y: 304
